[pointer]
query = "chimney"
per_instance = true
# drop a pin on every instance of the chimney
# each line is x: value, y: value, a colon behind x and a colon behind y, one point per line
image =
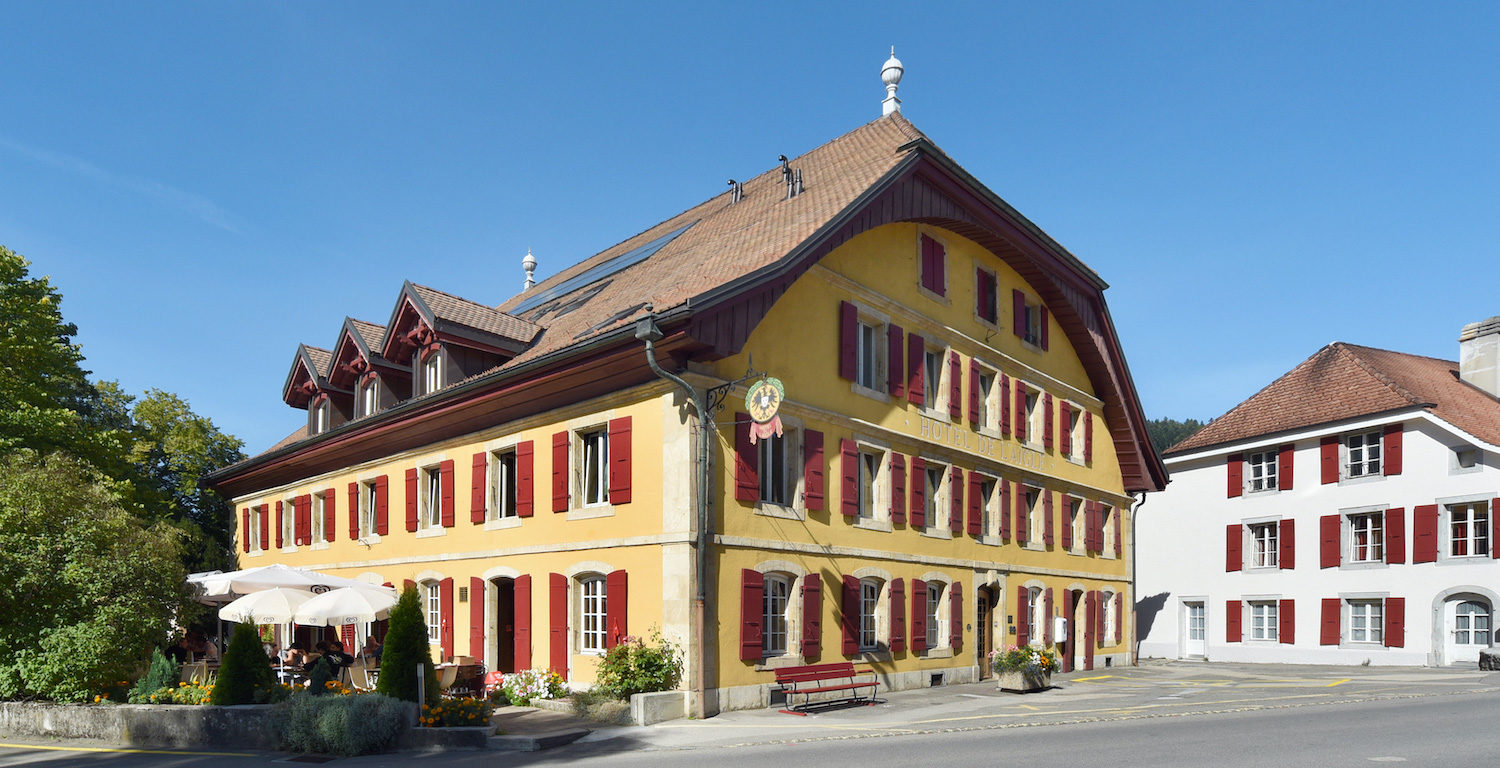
x: 1479, y: 355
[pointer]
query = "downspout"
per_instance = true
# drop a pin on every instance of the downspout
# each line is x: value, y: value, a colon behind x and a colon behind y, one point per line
x: 647, y: 330
x: 1135, y: 599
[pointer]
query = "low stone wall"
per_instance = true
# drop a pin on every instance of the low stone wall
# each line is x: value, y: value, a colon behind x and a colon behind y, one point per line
x: 142, y: 725
x: 653, y: 708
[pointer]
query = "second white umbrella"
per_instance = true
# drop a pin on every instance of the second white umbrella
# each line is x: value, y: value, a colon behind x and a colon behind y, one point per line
x: 268, y: 606
x: 349, y: 605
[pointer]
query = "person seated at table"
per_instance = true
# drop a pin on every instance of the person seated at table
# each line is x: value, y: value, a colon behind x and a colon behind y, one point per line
x: 337, y: 657
x: 199, y: 647
x: 273, y: 651
x: 296, y: 656
x: 371, y: 651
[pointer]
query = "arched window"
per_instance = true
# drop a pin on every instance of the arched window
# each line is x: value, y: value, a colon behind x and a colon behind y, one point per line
x: 1038, y: 616
x: 934, y: 603
x: 432, y: 591
x: 368, y: 399
x: 869, y: 608
x: 1471, y: 624
x: 775, y: 599
x: 592, y: 613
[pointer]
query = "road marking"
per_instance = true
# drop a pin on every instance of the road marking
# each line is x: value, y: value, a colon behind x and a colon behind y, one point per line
x: 1028, y: 706
x: 1386, y: 759
x: 1087, y: 679
x: 127, y: 751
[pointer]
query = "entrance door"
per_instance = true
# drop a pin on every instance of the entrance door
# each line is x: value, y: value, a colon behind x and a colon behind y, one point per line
x: 984, y: 641
x: 1195, y: 630
x: 1468, y: 624
x: 505, y: 625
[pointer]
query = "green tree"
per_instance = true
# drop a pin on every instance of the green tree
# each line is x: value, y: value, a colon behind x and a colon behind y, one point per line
x: 88, y: 587
x: 406, y: 646
x: 1166, y: 433
x: 245, y: 668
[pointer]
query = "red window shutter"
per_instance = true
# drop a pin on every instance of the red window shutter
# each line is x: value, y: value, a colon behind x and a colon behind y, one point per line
x: 918, y: 615
x: 353, y: 515
x: 616, y: 607
x: 850, y: 616
x: 1286, y: 622
x: 1023, y: 515
x: 812, y: 469
x: 1067, y: 527
x: 898, y: 615
x: 746, y: 460
x: 1284, y: 467
x: 330, y: 515
x: 1047, y: 421
x: 918, y: 513
x: 305, y: 503
x: 1495, y: 529
x: 848, y: 339
x: 1391, y: 454
x: 619, y: 460
x: 895, y: 368
x: 1088, y: 437
x: 523, y: 622
x: 446, y: 483
x: 1234, y: 539
x: 1090, y: 626
x: 1236, y: 466
x: 1395, y: 535
x: 974, y: 393
x: 1329, y: 543
x: 1048, y: 526
x: 1046, y: 630
x: 1120, y: 527
x: 281, y: 521
x: 411, y: 501
x: 1395, y: 622
x: 382, y: 505
x: 955, y: 387
x: 560, y: 448
x: 916, y: 369
x: 265, y: 526
x: 1091, y: 527
x: 1023, y: 618
x: 525, y: 479
x: 478, y: 484
x: 812, y: 616
x: 1020, y: 411
x: 933, y: 266
x: 1018, y: 312
x: 848, y: 478
x: 1232, y: 617
x: 1424, y: 544
x: 955, y: 501
x: 752, y: 596
x: 557, y: 624
x: 1328, y: 633
x: 1004, y: 405
x: 1119, y: 616
x: 244, y: 529
x: 898, y: 488
x: 1046, y: 325
x: 976, y: 504
x: 445, y: 608
x: 1004, y: 488
x: 1064, y: 434
x: 1328, y: 458
x: 476, y: 617
x: 1287, y: 539
x: 956, y: 616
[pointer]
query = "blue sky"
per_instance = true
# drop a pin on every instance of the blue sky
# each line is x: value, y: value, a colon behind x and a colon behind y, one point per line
x: 210, y: 184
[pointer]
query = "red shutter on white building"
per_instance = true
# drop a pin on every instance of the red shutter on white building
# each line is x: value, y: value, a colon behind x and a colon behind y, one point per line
x: 1329, y: 543
x: 1235, y: 465
x: 1495, y: 529
x: 1234, y: 540
x: 746, y: 459
x: 1395, y: 622
x: 1287, y: 541
x: 812, y: 616
x: 1424, y: 545
x: 1286, y: 619
x: 619, y: 460
x: 1232, y: 617
x: 1284, y: 463
x: 848, y: 478
x: 1395, y: 535
x: 1328, y: 633
x: 1023, y: 515
x: 1328, y: 459
x: 848, y: 339
x: 1391, y: 454
x: 812, y: 469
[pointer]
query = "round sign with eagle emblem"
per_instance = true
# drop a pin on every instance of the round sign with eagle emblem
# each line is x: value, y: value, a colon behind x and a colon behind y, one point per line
x: 762, y: 402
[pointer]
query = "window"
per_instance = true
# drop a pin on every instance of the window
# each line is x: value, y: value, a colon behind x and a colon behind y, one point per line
x: 1263, y: 542
x: 319, y: 505
x: 986, y: 296
x: 289, y: 523
x: 986, y: 392
x: 1367, y: 538
x: 987, y: 503
x: 1465, y: 459
x: 1363, y: 453
x: 1262, y: 467
x: 1034, y: 416
x: 591, y: 590
x: 1263, y: 620
x: 1075, y: 431
x: 775, y: 597
x: 434, y: 611
x: 932, y: 381
x: 1469, y: 530
x: 432, y: 497
x: 367, y: 509
x: 1366, y: 621
x: 1032, y: 332
x: 322, y: 412
x: 934, y: 266
x: 1076, y: 522
x: 503, y: 503
x: 432, y: 372
x: 1108, y: 599
x: 594, y: 480
x: 1471, y: 624
x: 254, y: 534
x: 367, y: 399
x: 933, y: 475
x: 934, y: 599
x: 773, y: 470
x: 1034, y: 511
x: 1036, y: 615
x: 1108, y: 518
x: 869, y: 604
x: 869, y: 354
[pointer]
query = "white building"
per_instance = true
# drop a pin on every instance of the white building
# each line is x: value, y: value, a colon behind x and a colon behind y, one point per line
x: 1347, y: 513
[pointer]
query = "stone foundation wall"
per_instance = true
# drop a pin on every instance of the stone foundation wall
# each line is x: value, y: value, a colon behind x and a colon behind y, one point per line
x: 142, y: 725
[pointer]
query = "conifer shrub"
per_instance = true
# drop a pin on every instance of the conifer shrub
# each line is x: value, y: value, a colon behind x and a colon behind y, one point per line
x: 245, y: 671
x: 406, y: 647
x: 162, y: 674
x: 319, y: 677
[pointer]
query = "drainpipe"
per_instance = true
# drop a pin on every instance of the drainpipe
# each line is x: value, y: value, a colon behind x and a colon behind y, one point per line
x: 647, y: 330
x: 1135, y: 626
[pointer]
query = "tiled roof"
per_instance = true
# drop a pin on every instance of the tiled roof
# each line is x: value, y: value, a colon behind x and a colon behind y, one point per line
x: 1346, y: 381
x: 369, y: 333
x: 472, y: 314
x: 321, y: 359
x: 298, y: 436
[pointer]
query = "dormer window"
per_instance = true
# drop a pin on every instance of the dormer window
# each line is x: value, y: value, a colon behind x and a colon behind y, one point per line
x: 432, y: 372
x: 322, y: 415
x: 367, y: 398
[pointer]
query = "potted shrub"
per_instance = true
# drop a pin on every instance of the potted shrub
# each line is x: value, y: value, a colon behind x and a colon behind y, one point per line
x: 1024, y: 669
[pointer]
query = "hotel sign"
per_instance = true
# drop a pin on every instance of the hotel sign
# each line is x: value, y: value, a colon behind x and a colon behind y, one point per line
x: 1008, y: 451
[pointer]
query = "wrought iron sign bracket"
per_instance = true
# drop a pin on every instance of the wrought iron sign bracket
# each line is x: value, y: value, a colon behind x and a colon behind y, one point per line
x: 717, y: 395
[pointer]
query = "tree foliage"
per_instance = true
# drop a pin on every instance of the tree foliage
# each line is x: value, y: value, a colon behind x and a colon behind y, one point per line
x: 89, y: 588
x: 245, y: 669
x: 1166, y: 433
x: 406, y: 646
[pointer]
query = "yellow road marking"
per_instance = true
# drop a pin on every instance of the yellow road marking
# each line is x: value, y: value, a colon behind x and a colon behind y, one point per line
x: 1087, y: 679
x: 1028, y: 706
x: 127, y: 751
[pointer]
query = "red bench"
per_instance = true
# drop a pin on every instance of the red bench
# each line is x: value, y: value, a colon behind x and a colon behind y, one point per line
x: 811, y: 679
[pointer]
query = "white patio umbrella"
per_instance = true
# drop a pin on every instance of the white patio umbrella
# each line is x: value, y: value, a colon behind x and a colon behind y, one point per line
x: 268, y: 606
x: 348, y: 605
x: 223, y: 587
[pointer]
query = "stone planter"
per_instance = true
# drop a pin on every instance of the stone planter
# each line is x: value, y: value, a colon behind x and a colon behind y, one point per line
x: 1024, y: 682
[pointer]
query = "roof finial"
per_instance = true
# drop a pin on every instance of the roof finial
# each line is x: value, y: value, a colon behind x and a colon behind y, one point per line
x: 529, y: 264
x: 890, y: 74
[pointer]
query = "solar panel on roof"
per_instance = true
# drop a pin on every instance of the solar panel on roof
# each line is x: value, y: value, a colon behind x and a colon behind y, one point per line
x: 600, y: 271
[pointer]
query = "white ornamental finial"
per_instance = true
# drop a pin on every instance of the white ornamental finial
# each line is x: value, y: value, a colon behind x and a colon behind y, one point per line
x: 890, y: 74
x: 529, y: 264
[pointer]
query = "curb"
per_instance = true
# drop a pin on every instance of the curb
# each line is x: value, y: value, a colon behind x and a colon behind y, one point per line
x: 537, y: 741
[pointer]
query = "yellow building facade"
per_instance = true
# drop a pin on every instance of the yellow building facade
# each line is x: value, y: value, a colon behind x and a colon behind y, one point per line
x: 950, y: 471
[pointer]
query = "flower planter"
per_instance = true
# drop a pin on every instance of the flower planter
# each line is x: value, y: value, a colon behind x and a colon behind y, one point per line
x: 1024, y: 682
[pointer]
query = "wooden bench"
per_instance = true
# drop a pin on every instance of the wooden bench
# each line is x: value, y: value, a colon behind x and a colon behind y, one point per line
x: 841, y: 678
